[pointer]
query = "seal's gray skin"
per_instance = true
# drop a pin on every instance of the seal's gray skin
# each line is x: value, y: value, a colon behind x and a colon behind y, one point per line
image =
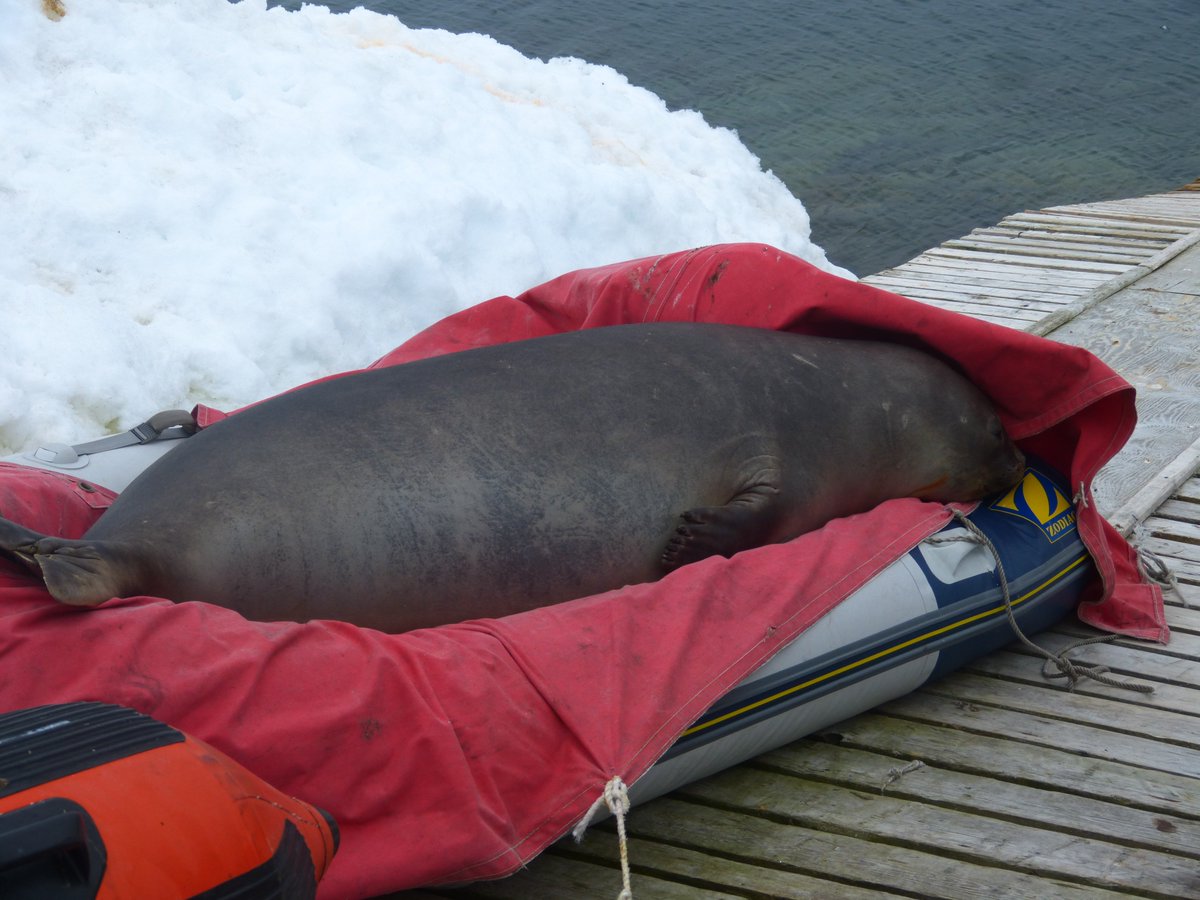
x: 496, y: 480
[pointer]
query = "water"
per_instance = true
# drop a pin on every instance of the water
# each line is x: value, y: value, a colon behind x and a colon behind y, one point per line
x: 899, y: 123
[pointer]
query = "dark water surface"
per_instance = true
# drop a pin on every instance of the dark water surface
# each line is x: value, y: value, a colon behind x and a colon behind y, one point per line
x: 898, y: 123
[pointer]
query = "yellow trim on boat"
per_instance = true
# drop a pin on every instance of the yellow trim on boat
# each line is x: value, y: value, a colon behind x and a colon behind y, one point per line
x: 700, y: 726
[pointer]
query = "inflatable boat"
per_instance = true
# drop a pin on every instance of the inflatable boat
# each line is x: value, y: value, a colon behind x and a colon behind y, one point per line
x: 99, y: 801
x: 457, y: 753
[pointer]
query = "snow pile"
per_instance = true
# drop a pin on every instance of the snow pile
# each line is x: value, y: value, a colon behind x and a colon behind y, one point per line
x: 211, y: 202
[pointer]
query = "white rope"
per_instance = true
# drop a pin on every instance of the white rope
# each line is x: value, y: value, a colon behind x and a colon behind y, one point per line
x: 616, y: 798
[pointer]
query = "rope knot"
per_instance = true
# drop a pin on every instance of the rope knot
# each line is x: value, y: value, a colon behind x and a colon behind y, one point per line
x: 1153, y: 567
x: 615, y: 796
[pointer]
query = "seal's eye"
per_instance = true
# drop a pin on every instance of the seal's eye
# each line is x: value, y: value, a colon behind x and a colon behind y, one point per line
x: 995, y: 429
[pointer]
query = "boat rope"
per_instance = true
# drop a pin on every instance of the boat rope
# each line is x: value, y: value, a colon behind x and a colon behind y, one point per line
x: 1154, y: 568
x: 896, y: 773
x: 1067, y: 668
x: 1081, y: 497
x: 616, y: 797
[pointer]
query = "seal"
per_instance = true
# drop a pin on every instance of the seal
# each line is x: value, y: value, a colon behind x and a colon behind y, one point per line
x: 499, y: 479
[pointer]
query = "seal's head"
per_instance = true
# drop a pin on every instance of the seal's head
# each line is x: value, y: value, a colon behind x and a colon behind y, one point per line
x: 977, y: 457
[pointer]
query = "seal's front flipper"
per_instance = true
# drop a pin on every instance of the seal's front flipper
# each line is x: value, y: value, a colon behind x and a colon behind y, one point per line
x: 79, y: 573
x: 745, y: 521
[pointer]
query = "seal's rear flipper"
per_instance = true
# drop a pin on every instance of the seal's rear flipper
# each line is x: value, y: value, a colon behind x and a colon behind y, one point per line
x: 79, y: 573
x: 744, y: 522
x: 19, y: 542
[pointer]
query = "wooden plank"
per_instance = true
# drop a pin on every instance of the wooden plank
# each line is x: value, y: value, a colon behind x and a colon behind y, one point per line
x: 1011, y: 315
x: 1035, y: 235
x: 949, y: 294
x: 944, y: 300
x: 1158, y: 489
x: 1168, y: 209
x: 987, y: 274
x: 1009, y: 758
x: 1015, y: 324
x: 1183, y: 277
x: 1190, y: 490
x: 1110, y: 713
x: 553, y: 877
x: 997, y: 275
x: 1176, y: 509
x: 1051, y: 296
x: 713, y: 866
x: 1103, y: 225
x: 1147, y: 200
x: 1007, y: 315
x: 985, y: 795
x: 1182, y: 247
x: 993, y: 273
x: 1026, y: 667
x: 1185, y: 568
x: 1172, y: 213
x: 1027, y: 261
x: 1086, y: 301
x: 1082, y: 230
x: 868, y: 864
x: 1149, y: 337
x: 1184, y: 551
x: 1010, y: 230
x: 1182, y: 601
x: 1046, y: 250
x: 1053, y: 244
x: 1034, y: 296
x: 1183, y: 598
x: 1182, y: 647
x: 938, y: 829
x: 1183, y: 608
x: 1178, y: 530
x: 1064, y: 229
x: 1165, y: 210
x: 1045, y: 730
x: 1145, y: 215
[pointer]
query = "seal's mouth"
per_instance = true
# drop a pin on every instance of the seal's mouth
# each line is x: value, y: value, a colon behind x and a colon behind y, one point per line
x: 931, y: 489
x: 1011, y: 474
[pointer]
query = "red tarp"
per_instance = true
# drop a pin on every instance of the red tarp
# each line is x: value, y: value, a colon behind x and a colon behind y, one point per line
x: 458, y: 753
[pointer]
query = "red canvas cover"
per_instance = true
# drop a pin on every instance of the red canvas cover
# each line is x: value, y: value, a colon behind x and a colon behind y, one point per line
x: 458, y: 753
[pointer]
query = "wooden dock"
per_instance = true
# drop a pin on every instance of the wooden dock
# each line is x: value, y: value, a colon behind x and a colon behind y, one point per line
x: 993, y: 782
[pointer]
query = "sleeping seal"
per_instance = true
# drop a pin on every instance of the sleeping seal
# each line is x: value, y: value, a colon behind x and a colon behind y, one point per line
x: 496, y: 480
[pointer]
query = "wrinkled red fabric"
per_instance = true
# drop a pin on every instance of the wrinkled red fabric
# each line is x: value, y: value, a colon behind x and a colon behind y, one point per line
x: 1059, y: 401
x: 459, y: 752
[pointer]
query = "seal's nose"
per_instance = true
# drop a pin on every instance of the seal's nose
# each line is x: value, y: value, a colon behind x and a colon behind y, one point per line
x: 1015, y: 470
